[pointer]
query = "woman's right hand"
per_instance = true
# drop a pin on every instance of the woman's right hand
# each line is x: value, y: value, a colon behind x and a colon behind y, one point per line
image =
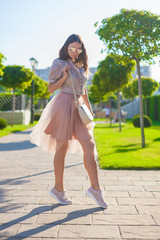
x: 66, y: 71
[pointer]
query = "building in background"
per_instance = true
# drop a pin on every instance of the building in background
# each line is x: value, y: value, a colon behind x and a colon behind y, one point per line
x: 145, y: 72
x: 43, y: 73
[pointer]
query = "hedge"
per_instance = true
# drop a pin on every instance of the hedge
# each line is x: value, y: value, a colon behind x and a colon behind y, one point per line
x: 153, y: 107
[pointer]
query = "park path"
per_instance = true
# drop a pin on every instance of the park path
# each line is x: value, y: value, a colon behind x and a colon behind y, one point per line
x: 28, y: 212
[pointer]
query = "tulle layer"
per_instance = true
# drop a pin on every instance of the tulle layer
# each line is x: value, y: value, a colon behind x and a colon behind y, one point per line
x: 60, y: 123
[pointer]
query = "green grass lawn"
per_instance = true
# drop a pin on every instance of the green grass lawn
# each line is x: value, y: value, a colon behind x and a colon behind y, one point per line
x: 122, y: 150
x: 16, y: 128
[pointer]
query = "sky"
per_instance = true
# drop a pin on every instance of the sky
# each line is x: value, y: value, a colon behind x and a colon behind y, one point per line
x: 39, y: 28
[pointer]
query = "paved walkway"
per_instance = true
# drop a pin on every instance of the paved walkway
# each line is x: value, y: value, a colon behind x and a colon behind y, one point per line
x: 28, y: 212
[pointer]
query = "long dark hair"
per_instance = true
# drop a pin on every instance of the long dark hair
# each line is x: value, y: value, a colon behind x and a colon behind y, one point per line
x: 82, y: 58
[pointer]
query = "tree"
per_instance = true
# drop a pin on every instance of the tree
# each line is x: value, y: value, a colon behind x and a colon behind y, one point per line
x: 128, y: 93
x: 16, y: 77
x: 149, y: 85
x: 39, y: 87
x: 135, y: 34
x: 95, y: 91
x: 46, y: 93
x: 115, y: 72
x: 2, y: 58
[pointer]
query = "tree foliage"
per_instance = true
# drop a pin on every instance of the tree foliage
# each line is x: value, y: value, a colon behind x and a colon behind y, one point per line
x: 149, y: 85
x: 115, y: 72
x: 40, y: 88
x: 2, y: 58
x: 132, y: 33
x: 128, y: 92
x: 96, y: 90
x: 16, y: 77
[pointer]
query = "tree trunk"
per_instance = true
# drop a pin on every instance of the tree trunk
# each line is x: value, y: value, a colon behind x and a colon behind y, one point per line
x: 13, y: 108
x: 140, y: 104
x: 146, y: 106
x: 110, y: 111
x: 119, y: 110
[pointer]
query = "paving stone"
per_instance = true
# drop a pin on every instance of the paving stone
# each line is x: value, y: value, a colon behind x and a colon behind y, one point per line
x: 148, y: 209
x: 120, y: 209
x: 125, y: 188
x: 156, y: 218
x: 62, y: 239
x: 156, y: 194
x: 152, y: 177
x: 126, y: 178
x: 9, y: 230
x: 144, y: 183
x: 152, y: 188
x: 110, y: 201
x: 13, y: 218
x: 140, y: 232
x: 76, y: 193
x: 103, y: 238
x: 25, y: 200
x: 39, y: 193
x: 76, y: 209
x: 109, y: 178
x: 82, y: 200
x: 141, y: 194
x: 21, y: 193
x: 117, y: 183
x: 123, y: 220
x: 68, y: 187
x: 139, y: 201
x: 17, y: 208
x: 28, y: 230
x: 34, y: 187
x: 7, y: 187
x: 119, y: 173
x: 70, y: 218
x: 109, y: 194
x: 37, y: 209
x: 88, y: 231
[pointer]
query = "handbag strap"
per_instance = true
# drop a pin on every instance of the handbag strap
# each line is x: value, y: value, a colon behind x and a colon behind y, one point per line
x: 73, y: 88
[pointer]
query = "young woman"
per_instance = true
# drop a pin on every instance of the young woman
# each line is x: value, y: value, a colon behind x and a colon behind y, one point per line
x: 60, y: 127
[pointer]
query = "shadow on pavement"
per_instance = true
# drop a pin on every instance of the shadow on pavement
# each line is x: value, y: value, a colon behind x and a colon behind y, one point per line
x: 10, y: 207
x: 11, y: 181
x: 71, y: 216
x: 20, y: 180
x: 22, y: 132
x: 16, y: 146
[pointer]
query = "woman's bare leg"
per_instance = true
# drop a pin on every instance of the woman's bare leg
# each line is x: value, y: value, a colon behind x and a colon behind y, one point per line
x: 59, y: 167
x: 90, y: 163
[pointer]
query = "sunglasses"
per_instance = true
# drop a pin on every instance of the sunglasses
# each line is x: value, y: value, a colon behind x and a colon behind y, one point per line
x: 73, y: 50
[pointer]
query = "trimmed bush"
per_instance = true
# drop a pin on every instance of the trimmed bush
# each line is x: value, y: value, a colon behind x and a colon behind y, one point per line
x: 37, y: 116
x: 146, y: 119
x: 3, y: 123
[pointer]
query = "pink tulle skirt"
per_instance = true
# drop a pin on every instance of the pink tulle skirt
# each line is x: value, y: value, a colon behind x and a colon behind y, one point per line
x: 60, y: 122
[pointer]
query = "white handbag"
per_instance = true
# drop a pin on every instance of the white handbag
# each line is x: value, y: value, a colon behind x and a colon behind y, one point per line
x: 85, y: 114
x: 83, y: 110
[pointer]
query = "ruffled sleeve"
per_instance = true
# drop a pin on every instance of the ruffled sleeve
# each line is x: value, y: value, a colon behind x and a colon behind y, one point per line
x: 55, y: 71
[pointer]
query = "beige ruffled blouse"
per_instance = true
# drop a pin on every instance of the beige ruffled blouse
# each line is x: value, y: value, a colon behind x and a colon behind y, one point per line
x: 78, y: 74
